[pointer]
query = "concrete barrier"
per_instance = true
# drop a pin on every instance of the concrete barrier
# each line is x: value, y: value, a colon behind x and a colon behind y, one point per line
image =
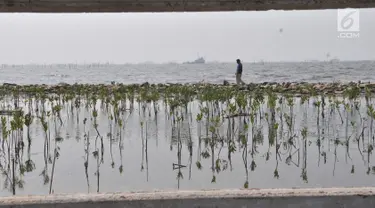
x: 238, y: 198
x: 174, y: 5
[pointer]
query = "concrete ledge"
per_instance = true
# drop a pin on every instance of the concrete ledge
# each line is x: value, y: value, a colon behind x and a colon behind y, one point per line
x: 268, y: 198
x: 174, y: 5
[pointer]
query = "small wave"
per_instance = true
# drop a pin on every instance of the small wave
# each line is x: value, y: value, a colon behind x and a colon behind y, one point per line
x: 321, y: 77
x: 57, y: 75
x: 273, y: 75
x: 346, y: 68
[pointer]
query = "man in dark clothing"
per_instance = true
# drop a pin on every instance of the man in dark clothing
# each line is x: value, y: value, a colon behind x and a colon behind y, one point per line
x: 239, y: 73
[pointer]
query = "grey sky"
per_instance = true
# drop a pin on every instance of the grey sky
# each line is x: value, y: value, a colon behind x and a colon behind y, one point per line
x: 164, y: 37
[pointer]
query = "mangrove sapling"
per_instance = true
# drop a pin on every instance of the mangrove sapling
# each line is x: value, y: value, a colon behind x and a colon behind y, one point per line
x: 131, y: 96
x: 141, y: 106
x: 358, y: 139
x: 146, y: 151
x: 272, y: 98
x: 281, y: 120
x: 230, y: 134
x: 96, y: 152
x: 276, y: 171
x: 8, y: 172
x: 243, y: 145
x: 353, y: 94
x: 368, y: 95
x: 58, y: 139
x: 256, y: 134
x: 14, y: 143
x: 172, y: 123
x: 28, y: 121
x: 110, y: 137
x: 29, y: 164
x: 96, y: 125
x: 206, y: 111
x: 290, y: 142
x: 289, y: 120
x: 212, y: 143
x: 4, y: 131
x: 371, y: 116
x: 155, y: 99
x: 70, y: 106
x: 156, y: 123
x: 5, y: 165
x: 317, y: 104
x: 119, y: 121
x: 190, y: 148
x: 322, y: 98
x: 56, y: 112
x: 304, y: 165
x: 220, y: 164
x: 166, y: 107
x: 347, y: 137
x: 97, y: 172
x: 337, y: 142
x: 199, y: 131
x: 337, y: 105
x: 77, y: 105
x: 178, y: 166
x: 277, y: 153
x: 357, y: 106
x: 331, y: 121
x: 121, y: 146
x: 143, y: 145
x: 272, y: 133
x: 241, y: 102
x: 87, y: 152
x: 370, y: 148
x: 46, y: 150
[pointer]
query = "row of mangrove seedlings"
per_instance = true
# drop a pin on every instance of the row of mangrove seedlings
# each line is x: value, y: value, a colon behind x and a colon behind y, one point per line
x: 256, y: 122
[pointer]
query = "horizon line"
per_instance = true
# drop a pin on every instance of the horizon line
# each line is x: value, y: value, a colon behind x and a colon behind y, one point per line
x: 175, y: 62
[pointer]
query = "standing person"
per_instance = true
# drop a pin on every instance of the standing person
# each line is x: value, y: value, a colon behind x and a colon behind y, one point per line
x: 239, y: 73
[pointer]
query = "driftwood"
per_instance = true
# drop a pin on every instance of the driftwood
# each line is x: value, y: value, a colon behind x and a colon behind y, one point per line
x: 9, y: 112
x: 237, y: 115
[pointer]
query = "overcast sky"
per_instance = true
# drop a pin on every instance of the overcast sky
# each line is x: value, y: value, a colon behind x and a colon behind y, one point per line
x: 164, y: 37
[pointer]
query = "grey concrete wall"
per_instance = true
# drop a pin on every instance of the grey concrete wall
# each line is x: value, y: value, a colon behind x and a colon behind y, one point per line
x: 265, y: 198
x: 174, y: 5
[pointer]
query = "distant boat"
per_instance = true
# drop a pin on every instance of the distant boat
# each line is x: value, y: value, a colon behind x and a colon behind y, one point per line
x: 199, y: 60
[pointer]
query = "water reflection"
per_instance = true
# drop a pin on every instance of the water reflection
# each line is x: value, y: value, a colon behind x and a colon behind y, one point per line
x: 260, y: 142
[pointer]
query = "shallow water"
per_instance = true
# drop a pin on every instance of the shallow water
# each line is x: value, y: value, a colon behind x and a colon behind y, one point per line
x: 183, y: 73
x: 147, y: 158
